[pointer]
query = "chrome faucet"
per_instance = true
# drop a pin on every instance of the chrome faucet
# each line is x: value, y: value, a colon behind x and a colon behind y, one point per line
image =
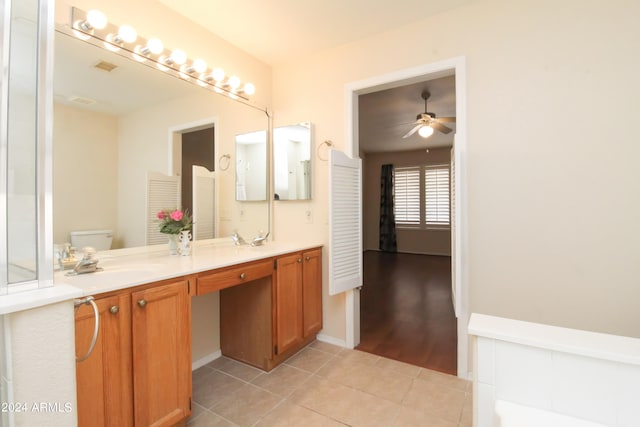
x: 88, y: 263
x: 237, y: 239
x: 259, y: 239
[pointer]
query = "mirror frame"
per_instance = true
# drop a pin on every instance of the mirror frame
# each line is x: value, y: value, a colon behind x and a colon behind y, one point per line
x: 43, y: 243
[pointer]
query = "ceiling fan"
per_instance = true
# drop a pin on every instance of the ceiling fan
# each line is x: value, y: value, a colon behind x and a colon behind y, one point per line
x: 427, y: 122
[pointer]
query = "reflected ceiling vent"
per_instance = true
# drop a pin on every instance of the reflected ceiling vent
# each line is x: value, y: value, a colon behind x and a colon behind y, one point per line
x: 106, y: 66
x: 82, y: 100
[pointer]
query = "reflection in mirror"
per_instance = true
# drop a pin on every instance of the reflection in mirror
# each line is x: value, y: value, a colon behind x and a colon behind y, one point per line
x: 292, y: 162
x: 251, y: 166
x: 21, y: 142
x: 114, y: 127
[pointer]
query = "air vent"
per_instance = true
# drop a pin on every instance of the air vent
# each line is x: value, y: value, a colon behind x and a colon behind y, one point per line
x: 82, y: 100
x: 106, y: 66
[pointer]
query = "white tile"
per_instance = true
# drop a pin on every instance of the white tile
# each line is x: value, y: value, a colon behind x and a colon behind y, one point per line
x: 485, y: 355
x: 584, y: 387
x: 523, y: 374
x: 628, y: 396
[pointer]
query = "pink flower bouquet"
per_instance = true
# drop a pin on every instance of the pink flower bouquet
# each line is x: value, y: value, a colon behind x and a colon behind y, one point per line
x: 174, y: 221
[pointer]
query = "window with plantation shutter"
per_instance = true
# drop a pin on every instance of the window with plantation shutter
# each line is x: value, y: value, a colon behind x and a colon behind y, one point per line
x: 421, y: 196
x: 436, y: 195
x: 406, y: 188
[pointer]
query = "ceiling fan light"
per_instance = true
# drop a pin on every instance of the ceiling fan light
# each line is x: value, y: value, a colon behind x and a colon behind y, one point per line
x: 425, y: 131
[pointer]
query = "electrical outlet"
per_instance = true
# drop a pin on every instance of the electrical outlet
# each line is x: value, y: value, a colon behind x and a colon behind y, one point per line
x: 242, y: 214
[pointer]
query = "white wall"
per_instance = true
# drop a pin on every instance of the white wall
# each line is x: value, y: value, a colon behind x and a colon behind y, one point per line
x: 40, y: 346
x: 85, y: 167
x: 552, y: 181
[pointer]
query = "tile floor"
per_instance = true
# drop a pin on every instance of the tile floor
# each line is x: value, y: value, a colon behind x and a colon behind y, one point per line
x: 326, y: 385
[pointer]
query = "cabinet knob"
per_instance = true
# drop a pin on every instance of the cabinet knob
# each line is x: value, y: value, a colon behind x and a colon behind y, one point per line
x: 142, y: 303
x: 299, y: 259
x: 243, y: 276
x: 114, y: 309
x: 307, y: 258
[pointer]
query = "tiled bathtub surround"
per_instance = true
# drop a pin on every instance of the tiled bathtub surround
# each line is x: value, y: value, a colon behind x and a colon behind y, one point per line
x: 580, y: 376
x: 325, y: 385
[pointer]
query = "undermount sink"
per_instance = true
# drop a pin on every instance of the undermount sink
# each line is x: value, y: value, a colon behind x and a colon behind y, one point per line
x: 113, y: 274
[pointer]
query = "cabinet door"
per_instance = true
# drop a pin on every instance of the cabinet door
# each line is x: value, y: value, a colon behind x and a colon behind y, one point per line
x: 103, y: 381
x: 312, y: 292
x: 161, y: 325
x: 288, y: 302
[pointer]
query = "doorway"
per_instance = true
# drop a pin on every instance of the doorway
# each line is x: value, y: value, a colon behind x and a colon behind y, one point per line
x: 455, y: 67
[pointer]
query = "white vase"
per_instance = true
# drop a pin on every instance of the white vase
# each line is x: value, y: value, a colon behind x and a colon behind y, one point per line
x: 185, y: 243
x: 173, y: 244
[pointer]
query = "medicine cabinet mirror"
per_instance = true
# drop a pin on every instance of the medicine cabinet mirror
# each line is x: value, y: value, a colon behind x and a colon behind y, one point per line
x: 292, y: 161
x: 251, y: 166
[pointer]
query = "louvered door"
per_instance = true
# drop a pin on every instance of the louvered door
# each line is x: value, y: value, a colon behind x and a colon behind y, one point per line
x: 163, y: 192
x: 345, y: 222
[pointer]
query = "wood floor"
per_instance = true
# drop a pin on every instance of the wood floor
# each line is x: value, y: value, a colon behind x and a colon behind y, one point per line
x: 406, y: 310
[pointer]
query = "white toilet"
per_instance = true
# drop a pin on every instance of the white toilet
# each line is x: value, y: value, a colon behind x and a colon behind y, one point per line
x: 100, y: 240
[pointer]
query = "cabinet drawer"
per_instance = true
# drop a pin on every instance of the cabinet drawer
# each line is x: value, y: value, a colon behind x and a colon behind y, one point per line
x: 211, y: 282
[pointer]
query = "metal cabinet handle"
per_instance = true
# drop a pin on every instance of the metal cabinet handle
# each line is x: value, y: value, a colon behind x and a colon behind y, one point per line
x: 114, y: 309
x: 243, y: 276
x: 299, y: 259
x: 307, y: 258
x: 142, y: 303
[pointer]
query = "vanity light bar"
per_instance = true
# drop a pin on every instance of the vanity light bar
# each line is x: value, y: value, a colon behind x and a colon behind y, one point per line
x: 93, y: 27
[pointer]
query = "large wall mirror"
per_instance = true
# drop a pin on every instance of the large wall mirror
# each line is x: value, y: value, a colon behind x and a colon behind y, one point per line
x: 116, y: 121
x: 292, y: 161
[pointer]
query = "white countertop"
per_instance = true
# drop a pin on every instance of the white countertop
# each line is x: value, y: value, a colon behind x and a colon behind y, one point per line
x: 124, y: 268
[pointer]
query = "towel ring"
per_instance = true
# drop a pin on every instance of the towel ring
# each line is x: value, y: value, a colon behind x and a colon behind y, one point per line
x: 226, y: 160
x: 328, y: 143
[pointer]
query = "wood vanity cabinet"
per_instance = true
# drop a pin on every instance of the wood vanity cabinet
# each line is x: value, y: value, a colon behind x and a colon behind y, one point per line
x: 311, y: 292
x: 103, y: 381
x: 298, y: 299
x: 140, y: 370
x: 265, y: 320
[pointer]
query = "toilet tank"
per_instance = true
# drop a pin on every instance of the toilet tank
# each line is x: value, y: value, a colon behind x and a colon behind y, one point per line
x: 98, y: 239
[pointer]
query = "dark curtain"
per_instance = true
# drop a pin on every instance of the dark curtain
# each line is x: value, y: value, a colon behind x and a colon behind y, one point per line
x: 387, y: 220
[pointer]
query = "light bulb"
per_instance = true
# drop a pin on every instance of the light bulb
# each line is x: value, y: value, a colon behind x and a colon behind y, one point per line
x: 155, y: 46
x: 425, y: 131
x: 127, y: 33
x: 199, y: 65
x: 218, y: 74
x: 179, y: 57
x: 249, y: 88
x: 234, y: 82
x: 96, y: 19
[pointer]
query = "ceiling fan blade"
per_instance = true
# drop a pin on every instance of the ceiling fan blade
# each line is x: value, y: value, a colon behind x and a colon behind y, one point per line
x: 412, y: 131
x: 440, y: 127
x: 447, y: 119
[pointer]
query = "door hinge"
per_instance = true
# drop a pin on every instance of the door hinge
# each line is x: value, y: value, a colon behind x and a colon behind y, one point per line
x: 275, y: 349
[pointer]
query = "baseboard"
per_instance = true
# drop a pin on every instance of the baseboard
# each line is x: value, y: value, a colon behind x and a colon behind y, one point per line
x: 207, y: 359
x: 331, y: 340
